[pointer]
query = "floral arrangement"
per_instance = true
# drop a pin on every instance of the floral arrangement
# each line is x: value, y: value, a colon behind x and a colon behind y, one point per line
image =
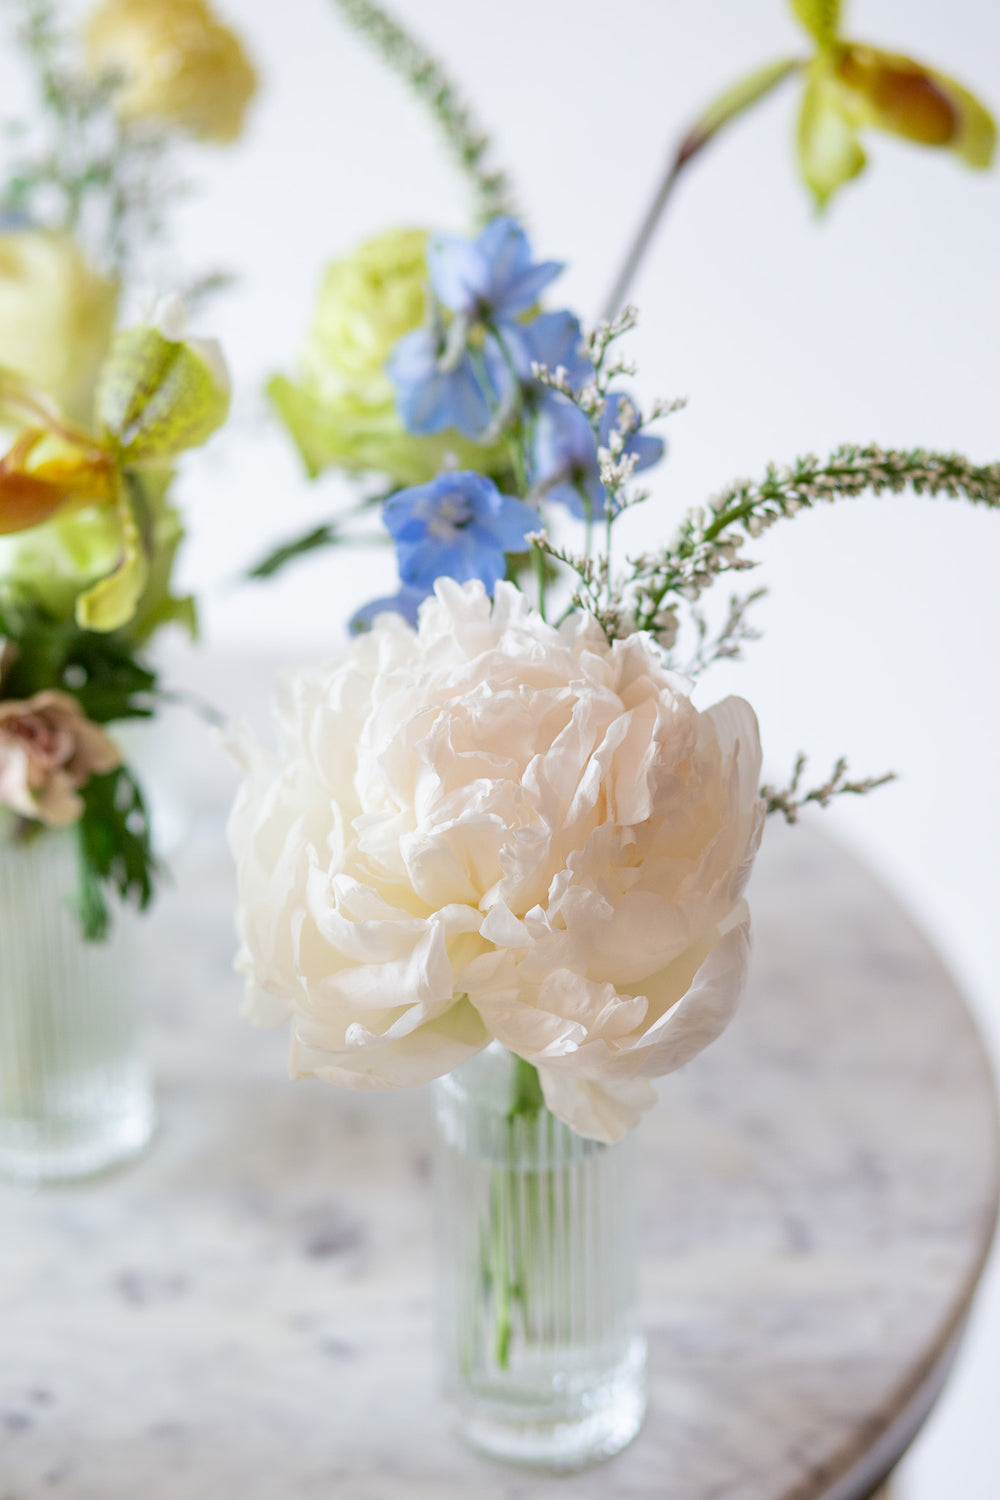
x: 92, y: 420
x: 499, y: 817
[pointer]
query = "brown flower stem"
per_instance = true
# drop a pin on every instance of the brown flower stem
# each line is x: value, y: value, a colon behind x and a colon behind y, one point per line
x: 636, y: 252
x: 730, y: 106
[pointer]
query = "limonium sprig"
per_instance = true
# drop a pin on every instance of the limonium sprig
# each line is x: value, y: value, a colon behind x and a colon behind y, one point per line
x: 708, y: 541
x: 109, y: 185
x: 729, y: 640
x: 791, y: 799
x: 649, y: 590
x: 96, y: 158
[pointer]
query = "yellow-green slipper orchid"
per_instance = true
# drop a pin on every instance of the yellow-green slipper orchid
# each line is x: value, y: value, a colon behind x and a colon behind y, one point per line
x: 851, y: 86
x: 156, y: 397
x: 50, y: 464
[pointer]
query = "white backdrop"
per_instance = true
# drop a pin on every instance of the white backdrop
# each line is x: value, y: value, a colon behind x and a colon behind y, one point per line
x: 880, y: 323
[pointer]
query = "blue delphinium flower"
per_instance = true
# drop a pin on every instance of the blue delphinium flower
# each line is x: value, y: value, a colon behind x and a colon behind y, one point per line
x: 553, y: 339
x: 405, y: 602
x: 457, y: 526
x: 485, y: 283
x: 435, y: 390
x: 490, y: 278
x: 564, y: 457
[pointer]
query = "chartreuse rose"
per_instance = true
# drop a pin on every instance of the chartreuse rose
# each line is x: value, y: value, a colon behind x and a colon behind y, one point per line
x: 87, y: 510
x: 172, y: 64
x: 341, y: 412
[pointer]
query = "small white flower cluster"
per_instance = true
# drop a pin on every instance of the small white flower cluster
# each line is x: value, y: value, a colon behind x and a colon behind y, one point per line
x: 790, y: 800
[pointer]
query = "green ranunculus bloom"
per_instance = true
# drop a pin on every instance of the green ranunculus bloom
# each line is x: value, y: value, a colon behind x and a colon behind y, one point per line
x: 367, y: 301
x: 344, y: 432
x: 174, y: 65
x: 342, y: 412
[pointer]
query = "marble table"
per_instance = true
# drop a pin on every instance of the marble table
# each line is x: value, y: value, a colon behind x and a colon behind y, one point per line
x: 246, y: 1312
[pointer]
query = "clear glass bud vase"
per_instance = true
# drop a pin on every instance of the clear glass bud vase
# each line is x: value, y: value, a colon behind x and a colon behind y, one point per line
x: 537, y: 1251
x: 75, y: 1092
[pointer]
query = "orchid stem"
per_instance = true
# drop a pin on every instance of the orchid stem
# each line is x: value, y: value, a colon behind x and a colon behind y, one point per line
x: 636, y: 252
x: 731, y: 105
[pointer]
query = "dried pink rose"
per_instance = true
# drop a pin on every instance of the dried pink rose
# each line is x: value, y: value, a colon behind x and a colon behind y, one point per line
x: 48, y: 750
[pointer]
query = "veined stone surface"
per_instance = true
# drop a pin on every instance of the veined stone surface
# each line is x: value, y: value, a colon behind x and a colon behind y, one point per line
x: 247, y: 1311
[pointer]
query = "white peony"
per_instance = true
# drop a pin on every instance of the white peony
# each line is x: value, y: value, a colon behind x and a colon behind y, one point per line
x: 494, y: 828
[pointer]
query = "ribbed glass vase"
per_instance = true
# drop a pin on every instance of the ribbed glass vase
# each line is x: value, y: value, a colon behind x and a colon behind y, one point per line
x: 537, y: 1250
x: 75, y: 1093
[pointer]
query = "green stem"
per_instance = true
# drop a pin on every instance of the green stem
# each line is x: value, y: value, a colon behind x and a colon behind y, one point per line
x: 609, y: 520
x: 540, y: 579
x: 500, y: 1202
x: 511, y: 1279
x: 527, y: 1096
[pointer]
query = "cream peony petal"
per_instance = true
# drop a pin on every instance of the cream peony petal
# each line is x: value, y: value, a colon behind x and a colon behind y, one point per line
x: 426, y: 1053
x: 379, y: 956
x: 604, y: 1111
x: 566, y: 1010
x: 701, y: 1014
x: 259, y: 1007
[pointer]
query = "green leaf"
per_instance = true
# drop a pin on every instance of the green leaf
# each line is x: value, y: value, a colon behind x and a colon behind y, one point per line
x: 115, y: 850
x: 158, y: 397
x: 107, y: 681
x: 44, y: 645
x: 321, y: 536
x: 821, y: 18
x: 829, y: 152
x: 91, y: 905
x: 112, y: 602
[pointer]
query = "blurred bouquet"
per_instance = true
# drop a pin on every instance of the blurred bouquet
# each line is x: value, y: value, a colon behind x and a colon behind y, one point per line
x: 87, y: 544
x: 92, y: 421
